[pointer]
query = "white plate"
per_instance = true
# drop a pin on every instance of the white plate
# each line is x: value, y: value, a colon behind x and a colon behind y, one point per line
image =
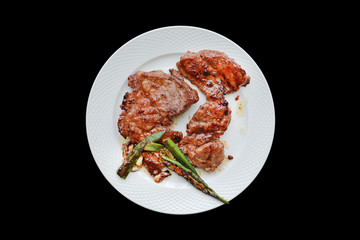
x: 248, y: 138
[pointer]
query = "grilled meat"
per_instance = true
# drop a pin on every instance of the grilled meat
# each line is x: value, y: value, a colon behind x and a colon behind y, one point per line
x: 213, y: 72
x: 211, y: 118
x: 156, y: 98
x: 150, y: 160
x: 154, y: 167
x: 208, y: 156
x: 202, y: 144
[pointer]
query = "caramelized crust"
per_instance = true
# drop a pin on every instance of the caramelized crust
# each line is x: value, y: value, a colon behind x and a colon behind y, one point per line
x: 156, y: 98
x: 213, y: 72
x: 202, y: 144
x: 154, y: 167
x: 211, y: 117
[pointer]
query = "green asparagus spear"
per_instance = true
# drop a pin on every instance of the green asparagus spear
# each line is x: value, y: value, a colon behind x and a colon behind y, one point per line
x: 190, y: 176
x: 153, y: 147
x: 179, y: 155
x: 132, y: 157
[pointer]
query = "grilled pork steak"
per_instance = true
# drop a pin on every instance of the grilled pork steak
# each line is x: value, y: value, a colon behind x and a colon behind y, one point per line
x: 156, y: 98
x: 202, y: 144
x: 208, y: 156
x: 213, y: 72
x: 211, y: 118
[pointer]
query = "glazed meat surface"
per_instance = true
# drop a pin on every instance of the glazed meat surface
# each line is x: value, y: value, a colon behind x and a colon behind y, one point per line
x: 154, y: 167
x: 208, y: 156
x: 202, y: 144
x: 156, y: 98
x: 213, y: 72
x: 211, y: 118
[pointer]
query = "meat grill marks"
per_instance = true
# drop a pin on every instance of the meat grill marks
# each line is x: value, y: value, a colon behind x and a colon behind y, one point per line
x: 202, y: 144
x: 213, y: 72
x: 211, y: 118
x: 156, y: 98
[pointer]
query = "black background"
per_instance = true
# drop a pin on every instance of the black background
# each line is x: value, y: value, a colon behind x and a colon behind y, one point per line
x: 268, y: 44
x: 76, y: 46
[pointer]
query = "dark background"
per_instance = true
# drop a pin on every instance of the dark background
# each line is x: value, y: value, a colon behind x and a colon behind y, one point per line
x: 76, y: 43
x: 271, y: 45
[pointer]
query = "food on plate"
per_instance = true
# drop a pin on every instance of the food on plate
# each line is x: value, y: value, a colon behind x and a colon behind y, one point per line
x: 179, y: 156
x: 190, y: 176
x: 212, y: 118
x: 202, y: 144
x: 149, y: 158
x: 213, y: 72
x: 135, y: 153
x: 157, y: 157
x: 156, y: 98
x: 153, y: 147
x: 154, y: 166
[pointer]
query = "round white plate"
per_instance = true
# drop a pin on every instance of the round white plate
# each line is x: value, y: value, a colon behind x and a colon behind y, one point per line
x: 248, y: 138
